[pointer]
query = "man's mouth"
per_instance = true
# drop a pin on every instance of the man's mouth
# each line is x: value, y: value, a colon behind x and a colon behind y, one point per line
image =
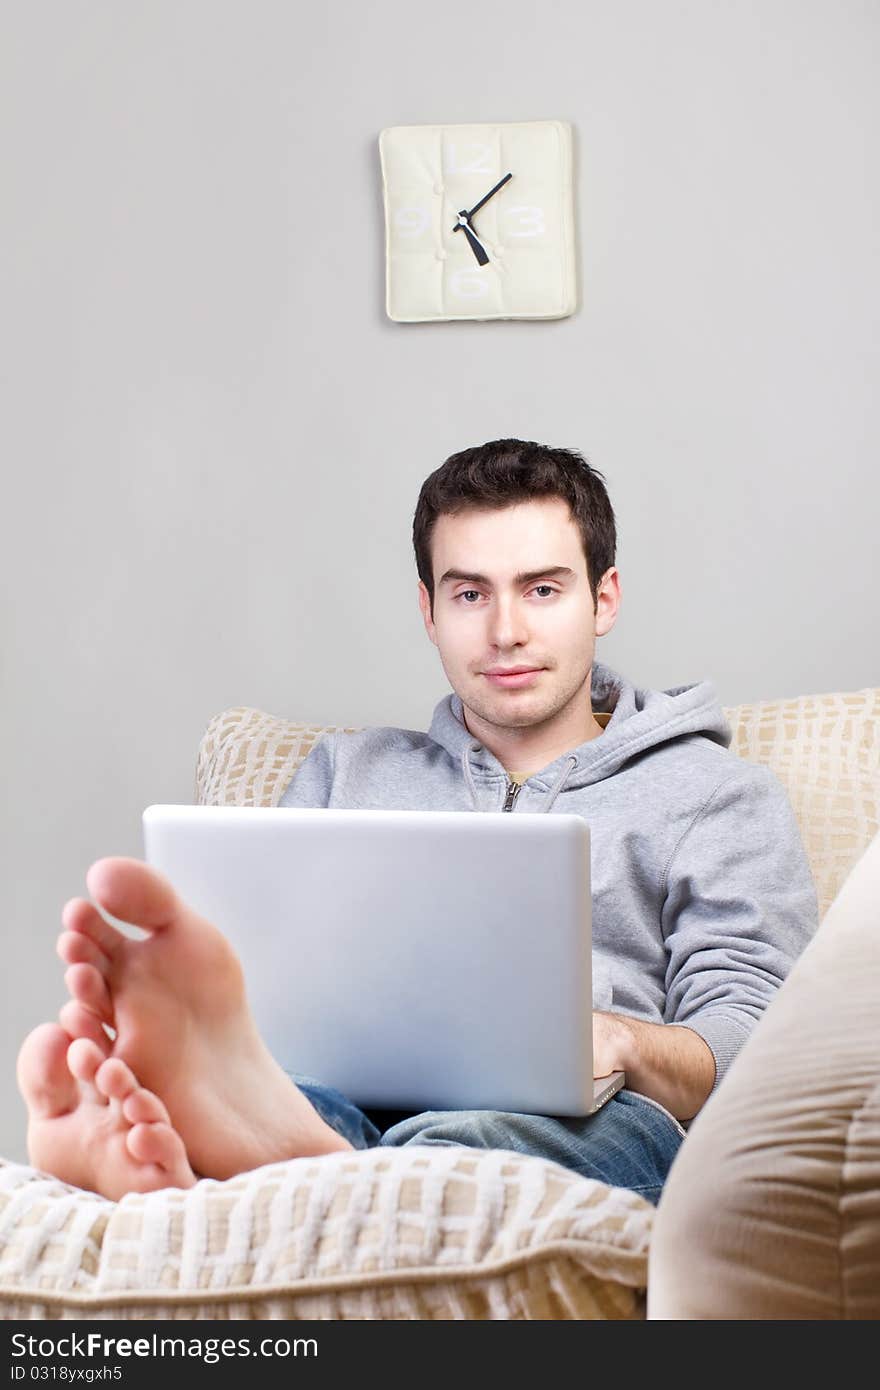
x: 514, y: 678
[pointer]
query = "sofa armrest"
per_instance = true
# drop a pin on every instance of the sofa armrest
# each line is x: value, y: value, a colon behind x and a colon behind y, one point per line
x: 772, y: 1206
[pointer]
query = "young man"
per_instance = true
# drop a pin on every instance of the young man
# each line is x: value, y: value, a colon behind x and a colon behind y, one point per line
x: 702, y: 895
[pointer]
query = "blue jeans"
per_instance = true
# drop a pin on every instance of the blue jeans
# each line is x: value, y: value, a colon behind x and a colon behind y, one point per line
x: 630, y: 1142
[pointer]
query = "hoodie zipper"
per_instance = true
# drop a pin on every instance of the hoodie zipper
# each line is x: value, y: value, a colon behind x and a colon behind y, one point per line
x: 513, y: 791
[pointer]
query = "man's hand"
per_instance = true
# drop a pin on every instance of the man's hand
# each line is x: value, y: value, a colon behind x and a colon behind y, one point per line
x: 611, y: 1042
x: 668, y: 1062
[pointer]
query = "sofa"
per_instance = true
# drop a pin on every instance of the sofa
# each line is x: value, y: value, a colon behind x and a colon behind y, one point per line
x: 772, y: 1208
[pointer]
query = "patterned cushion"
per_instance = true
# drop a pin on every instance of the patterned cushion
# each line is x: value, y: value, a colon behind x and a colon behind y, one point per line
x: 247, y: 758
x: 418, y: 1233
x: 825, y: 749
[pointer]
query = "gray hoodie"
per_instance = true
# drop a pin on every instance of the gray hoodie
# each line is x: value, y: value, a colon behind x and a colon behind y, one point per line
x: 702, y: 893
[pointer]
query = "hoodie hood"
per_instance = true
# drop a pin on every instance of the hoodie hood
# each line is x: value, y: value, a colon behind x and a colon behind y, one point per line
x: 640, y: 719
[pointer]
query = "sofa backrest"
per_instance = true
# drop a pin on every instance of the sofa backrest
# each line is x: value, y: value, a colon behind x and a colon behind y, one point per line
x: 825, y: 749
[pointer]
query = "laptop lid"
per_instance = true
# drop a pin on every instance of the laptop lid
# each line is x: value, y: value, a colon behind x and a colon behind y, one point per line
x: 414, y: 960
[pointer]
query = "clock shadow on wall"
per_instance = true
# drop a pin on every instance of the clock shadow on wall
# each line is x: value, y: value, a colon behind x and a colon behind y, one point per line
x: 479, y: 222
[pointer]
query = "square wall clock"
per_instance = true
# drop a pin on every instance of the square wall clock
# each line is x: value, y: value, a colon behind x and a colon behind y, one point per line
x: 479, y: 221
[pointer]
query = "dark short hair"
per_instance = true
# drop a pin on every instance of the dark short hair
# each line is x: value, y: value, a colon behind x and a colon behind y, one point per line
x: 505, y: 472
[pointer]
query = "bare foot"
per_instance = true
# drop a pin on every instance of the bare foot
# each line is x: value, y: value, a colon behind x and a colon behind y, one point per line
x: 176, y: 1001
x: 90, y: 1123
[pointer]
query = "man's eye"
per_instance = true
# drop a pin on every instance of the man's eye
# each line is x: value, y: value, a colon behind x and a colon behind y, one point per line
x: 464, y: 593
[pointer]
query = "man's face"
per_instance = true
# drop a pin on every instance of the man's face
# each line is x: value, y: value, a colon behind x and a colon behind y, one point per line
x: 487, y: 616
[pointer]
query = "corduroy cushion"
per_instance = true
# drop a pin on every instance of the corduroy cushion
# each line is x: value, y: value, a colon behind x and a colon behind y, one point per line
x: 431, y: 1232
x: 772, y: 1207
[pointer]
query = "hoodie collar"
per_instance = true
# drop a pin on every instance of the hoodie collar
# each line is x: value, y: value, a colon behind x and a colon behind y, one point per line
x: 640, y: 719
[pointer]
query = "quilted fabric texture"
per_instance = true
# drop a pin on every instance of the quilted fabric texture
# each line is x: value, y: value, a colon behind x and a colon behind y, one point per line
x: 825, y: 749
x: 431, y: 1233
x: 431, y: 173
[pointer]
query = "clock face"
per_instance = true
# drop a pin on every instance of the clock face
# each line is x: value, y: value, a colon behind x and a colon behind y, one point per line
x: 479, y: 221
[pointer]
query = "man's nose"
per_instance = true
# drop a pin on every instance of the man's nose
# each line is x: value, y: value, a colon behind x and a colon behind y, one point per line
x: 507, y: 623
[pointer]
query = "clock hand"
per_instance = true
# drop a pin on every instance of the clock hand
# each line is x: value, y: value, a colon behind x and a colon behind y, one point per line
x: 500, y: 184
x: 463, y: 222
x: 476, y: 245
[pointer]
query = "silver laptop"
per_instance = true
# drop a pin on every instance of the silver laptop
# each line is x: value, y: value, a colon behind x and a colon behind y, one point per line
x: 429, y: 960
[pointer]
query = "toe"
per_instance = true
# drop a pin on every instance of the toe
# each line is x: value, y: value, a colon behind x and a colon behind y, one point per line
x: 162, y: 1145
x: 80, y: 916
x: 115, y: 1079
x: 84, y: 1058
x: 144, y: 1107
x: 133, y: 892
x: 75, y: 948
x: 44, y: 1077
x: 89, y: 988
x: 79, y: 1022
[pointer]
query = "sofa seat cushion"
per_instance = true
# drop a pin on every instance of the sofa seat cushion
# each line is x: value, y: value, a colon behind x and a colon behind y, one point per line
x: 421, y: 1233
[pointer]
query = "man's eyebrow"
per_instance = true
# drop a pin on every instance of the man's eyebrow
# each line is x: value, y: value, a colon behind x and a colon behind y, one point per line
x: 552, y: 572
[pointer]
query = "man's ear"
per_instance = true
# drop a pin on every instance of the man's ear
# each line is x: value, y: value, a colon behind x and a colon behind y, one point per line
x: 608, y: 601
x: 425, y: 606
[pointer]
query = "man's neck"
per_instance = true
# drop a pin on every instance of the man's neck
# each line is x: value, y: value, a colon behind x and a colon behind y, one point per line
x: 518, y: 750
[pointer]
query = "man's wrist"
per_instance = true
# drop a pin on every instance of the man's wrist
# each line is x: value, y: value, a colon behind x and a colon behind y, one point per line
x: 619, y: 1041
x: 672, y: 1065
x: 627, y: 1043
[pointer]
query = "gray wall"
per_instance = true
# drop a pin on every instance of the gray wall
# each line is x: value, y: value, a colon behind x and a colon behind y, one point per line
x: 213, y: 439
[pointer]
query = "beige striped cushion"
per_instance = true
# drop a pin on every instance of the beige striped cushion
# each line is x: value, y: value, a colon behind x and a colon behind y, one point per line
x: 825, y: 749
x: 417, y: 1233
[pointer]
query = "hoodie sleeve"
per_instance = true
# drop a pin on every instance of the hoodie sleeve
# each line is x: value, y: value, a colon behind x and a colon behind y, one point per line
x: 740, y: 906
x: 310, y: 786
